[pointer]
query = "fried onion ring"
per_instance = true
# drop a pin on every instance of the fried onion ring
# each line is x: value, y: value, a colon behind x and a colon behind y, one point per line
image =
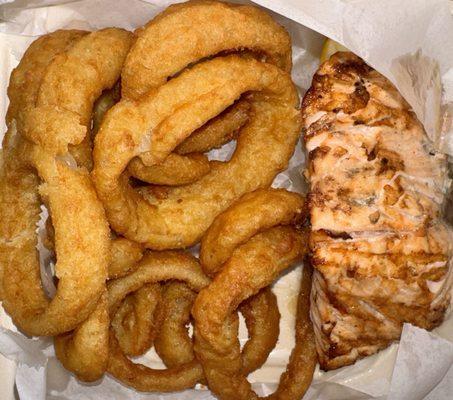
x: 175, y: 347
x: 22, y: 90
x: 175, y: 170
x: 153, y: 268
x: 252, y: 266
x: 173, y: 343
x: 264, y: 147
x: 253, y: 213
x: 138, y: 320
x: 189, y: 32
x: 186, y: 165
x: 71, y: 84
x: 125, y: 254
x: 218, y: 131
x: 58, y: 118
x: 66, y: 190
x: 81, y: 242
x: 161, y: 53
x: 262, y: 319
x: 84, y: 351
x: 247, y: 247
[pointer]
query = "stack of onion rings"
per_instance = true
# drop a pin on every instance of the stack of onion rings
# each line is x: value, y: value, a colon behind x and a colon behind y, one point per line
x: 249, y: 252
x: 153, y: 108
x: 153, y: 61
x: 264, y: 147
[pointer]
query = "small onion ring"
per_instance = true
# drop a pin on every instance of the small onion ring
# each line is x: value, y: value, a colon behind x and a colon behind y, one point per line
x: 253, y: 213
x: 153, y: 268
x: 175, y: 347
x: 138, y: 320
x: 252, y: 266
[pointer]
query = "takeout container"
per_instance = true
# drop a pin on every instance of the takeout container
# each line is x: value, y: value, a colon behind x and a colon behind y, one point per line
x: 410, y: 42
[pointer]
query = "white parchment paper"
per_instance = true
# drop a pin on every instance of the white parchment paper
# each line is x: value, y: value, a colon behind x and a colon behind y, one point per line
x: 409, y: 41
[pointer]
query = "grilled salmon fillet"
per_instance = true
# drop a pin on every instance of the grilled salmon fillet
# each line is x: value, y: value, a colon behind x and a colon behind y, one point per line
x: 377, y: 187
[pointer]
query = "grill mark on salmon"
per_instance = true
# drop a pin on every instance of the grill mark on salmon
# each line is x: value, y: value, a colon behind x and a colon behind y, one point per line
x: 377, y: 188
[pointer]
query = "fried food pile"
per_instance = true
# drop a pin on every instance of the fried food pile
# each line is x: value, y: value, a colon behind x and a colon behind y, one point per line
x: 109, y: 131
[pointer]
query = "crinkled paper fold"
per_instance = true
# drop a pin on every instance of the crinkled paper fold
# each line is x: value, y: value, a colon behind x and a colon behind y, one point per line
x: 410, y: 42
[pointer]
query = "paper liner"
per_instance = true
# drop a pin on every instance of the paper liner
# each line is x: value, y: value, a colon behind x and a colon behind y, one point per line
x: 409, y: 41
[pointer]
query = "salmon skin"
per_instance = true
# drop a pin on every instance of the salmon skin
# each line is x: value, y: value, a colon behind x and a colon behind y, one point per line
x: 377, y: 186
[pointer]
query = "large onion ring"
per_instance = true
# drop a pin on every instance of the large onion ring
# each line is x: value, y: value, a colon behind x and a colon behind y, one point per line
x: 72, y: 83
x: 172, y: 41
x: 247, y: 248
x: 22, y: 91
x: 264, y: 147
x: 186, y: 33
x: 81, y: 242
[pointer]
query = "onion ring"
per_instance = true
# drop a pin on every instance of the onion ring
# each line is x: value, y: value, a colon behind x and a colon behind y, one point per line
x: 175, y: 170
x: 84, y: 351
x: 172, y: 41
x: 217, y: 131
x: 138, y: 320
x: 262, y: 319
x: 175, y: 347
x: 152, y: 59
x: 82, y: 239
x: 58, y: 118
x: 153, y: 268
x: 64, y: 189
x: 22, y: 90
x: 69, y: 88
x: 173, y: 343
x: 252, y: 266
x: 186, y: 165
x: 67, y: 94
x: 247, y: 248
x: 263, y: 149
x: 253, y: 213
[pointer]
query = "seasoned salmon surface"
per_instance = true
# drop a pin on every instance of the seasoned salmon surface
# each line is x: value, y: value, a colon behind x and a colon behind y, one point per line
x: 377, y: 187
